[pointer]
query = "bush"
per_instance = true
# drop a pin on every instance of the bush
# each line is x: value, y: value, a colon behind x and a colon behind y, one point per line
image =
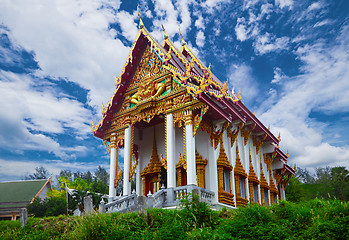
x: 47, y: 207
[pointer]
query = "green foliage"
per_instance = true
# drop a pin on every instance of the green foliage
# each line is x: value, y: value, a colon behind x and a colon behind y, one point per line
x: 294, y: 191
x: 196, y: 213
x: 326, y: 183
x: 315, y: 219
x: 48, y: 207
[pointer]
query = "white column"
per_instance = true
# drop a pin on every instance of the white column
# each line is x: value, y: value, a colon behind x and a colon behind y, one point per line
x: 190, y: 151
x: 127, y: 159
x: 212, y: 171
x: 170, y: 149
x: 138, y: 178
x: 112, y: 190
x: 232, y: 176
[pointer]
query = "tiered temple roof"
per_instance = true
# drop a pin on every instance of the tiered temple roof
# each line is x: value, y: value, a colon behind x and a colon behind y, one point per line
x: 198, y: 80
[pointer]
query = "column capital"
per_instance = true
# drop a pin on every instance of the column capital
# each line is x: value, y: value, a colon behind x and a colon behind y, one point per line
x: 113, y: 141
x: 188, y: 117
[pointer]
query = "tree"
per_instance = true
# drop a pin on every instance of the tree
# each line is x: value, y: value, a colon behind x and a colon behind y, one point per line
x: 101, y: 175
x: 340, y: 183
x: 40, y: 173
x: 294, y: 191
x: 64, y: 173
x: 304, y: 176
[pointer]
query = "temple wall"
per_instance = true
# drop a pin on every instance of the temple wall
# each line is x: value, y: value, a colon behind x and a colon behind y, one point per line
x: 179, y: 143
x: 146, y: 144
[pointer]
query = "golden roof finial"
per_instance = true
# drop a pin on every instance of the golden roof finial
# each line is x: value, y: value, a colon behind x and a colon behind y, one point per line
x: 102, y: 108
x: 279, y: 137
x: 295, y: 167
x: 287, y: 154
x: 225, y: 86
x: 93, y: 126
x: 269, y: 127
x: 180, y: 34
x: 163, y: 29
x: 239, y: 94
x: 117, y: 80
x: 254, y: 113
x: 141, y: 25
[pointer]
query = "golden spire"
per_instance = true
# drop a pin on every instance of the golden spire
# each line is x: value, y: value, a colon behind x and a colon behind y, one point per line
x: 180, y: 34
x: 269, y: 127
x: 287, y: 154
x: 93, y: 126
x: 225, y: 86
x: 102, y: 108
x: 141, y: 25
x: 279, y: 137
x: 163, y: 29
x: 239, y: 94
x: 117, y: 80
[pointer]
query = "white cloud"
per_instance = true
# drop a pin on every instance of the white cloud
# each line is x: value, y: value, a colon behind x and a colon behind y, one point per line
x: 241, y: 29
x: 323, y: 23
x: 278, y: 75
x: 199, y: 23
x: 200, y: 39
x: 211, y: 5
x: 241, y: 77
x: 27, y: 114
x: 246, y: 29
x: 268, y: 43
x: 324, y: 87
x: 284, y: 3
x: 314, y: 6
x: 127, y: 23
x: 70, y: 40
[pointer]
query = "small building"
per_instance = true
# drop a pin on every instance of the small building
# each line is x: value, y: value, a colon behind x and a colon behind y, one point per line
x: 18, y: 194
x: 182, y: 129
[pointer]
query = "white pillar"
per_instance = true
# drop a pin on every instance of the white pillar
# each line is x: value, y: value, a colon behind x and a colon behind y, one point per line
x: 138, y: 179
x: 127, y: 159
x: 190, y: 151
x: 112, y: 190
x: 212, y: 171
x: 170, y: 149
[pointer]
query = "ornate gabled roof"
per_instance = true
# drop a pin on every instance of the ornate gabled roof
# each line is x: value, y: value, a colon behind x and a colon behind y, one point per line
x: 191, y: 74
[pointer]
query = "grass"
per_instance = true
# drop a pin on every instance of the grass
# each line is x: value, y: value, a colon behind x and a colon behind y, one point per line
x: 315, y: 219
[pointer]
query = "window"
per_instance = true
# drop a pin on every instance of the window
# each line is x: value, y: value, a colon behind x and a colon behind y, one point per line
x: 255, y: 192
x: 266, y: 200
x: 242, y: 187
x: 275, y: 197
x: 226, y: 181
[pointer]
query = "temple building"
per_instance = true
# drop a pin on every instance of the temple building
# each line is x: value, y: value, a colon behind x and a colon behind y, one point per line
x: 183, y: 130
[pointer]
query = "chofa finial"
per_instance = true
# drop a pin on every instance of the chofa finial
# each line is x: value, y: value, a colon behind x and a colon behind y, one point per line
x: 141, y: 25
x: 180, y: 34
x: 163, y: 29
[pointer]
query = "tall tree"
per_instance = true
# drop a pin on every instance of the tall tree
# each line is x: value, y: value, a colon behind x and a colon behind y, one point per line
x: 294, y: 191
x: 304, y: 176
x: 101, y: 175
x: 40, y: 173
x: 340, y: 183
x: 64, y: 173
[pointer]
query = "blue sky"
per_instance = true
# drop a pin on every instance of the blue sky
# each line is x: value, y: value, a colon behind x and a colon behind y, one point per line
x: 58, y: 59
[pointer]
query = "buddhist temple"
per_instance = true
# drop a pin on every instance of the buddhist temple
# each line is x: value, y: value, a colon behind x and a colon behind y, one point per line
x: 183, y: 130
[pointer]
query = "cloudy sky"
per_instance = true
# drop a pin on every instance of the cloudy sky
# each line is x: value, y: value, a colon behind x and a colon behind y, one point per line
x: 58, y: 59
